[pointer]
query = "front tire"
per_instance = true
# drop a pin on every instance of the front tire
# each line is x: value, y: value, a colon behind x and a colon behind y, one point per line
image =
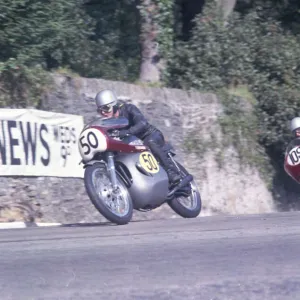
x: 101, y: 196
x: 195, y: 197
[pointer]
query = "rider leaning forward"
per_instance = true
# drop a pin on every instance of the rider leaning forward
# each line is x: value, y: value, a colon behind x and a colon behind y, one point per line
x: 108, y: 106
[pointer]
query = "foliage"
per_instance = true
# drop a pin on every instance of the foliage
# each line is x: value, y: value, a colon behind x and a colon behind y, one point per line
x: 36, y: 36
x: 166, y: 22
x: 47, y: 32
x: 20, y: 85
x: 90, y: 39
x: 115, y: 51
x: 248, y: 50
x: 240, y: 126
x: 287, y: 12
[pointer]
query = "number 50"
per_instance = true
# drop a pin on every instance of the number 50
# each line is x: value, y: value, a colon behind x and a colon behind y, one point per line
x: 150, y: 161
x: 91, y: 142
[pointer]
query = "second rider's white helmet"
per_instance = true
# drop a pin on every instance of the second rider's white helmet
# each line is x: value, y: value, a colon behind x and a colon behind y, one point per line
x: 106, y: 100
x: 295, y: 124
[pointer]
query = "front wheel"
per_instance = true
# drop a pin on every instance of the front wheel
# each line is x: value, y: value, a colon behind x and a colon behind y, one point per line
x: 187, y: 211
x: 116, y: 206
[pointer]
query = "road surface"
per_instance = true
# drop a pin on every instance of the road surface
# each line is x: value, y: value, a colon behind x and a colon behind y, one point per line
x: 209, y: 258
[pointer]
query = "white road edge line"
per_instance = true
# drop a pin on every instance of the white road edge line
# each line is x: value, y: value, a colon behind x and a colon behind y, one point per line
x: 8, y: 225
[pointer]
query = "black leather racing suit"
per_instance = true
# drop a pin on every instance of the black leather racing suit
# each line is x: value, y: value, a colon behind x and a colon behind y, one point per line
x: 150, y: 135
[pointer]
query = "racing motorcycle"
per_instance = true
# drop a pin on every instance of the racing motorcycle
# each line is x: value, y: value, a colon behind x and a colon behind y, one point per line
x: 292, y: 160
x: 122, y: 175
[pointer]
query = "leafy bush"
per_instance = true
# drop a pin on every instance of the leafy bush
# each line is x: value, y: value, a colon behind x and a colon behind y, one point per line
x: 246, y: 51
x: 115, y: 51
x: 20, y: 85
x: 36, y: 36
x: 92, y: 40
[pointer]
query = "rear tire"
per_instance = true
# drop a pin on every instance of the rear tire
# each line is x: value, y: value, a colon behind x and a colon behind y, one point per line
x: 179, y: 208
x: 98, y: 199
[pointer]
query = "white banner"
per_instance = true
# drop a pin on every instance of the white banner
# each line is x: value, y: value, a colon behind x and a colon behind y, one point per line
x: 39, y: 143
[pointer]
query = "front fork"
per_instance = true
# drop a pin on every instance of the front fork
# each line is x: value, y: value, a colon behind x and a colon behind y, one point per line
x: 111, y: 169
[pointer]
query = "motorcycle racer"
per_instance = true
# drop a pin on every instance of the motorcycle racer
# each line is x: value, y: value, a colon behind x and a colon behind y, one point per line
x: 108, y: 105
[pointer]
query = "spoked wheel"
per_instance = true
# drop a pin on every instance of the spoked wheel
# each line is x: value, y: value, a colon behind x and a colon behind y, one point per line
x: 187, y: 207
x: 116, y: 206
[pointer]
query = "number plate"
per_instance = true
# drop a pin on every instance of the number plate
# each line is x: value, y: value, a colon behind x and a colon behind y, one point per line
x: 148, y: 162
x: 90, y: 142
x: 294, y: 156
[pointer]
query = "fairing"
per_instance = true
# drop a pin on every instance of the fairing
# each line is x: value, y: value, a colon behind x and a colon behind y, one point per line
x: 145, y: 190
x: 292, y: 159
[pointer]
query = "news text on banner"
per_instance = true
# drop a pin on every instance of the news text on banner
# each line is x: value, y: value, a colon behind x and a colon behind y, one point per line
x: 39, y: 143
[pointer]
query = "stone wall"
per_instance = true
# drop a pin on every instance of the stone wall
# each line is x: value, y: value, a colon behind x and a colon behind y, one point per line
x: 225, y: 188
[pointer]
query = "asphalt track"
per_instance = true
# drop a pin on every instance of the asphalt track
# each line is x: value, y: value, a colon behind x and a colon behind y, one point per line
x: 209, y: 258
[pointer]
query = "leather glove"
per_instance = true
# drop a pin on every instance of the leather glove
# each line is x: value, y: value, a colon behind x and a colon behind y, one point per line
x: 123, y: 133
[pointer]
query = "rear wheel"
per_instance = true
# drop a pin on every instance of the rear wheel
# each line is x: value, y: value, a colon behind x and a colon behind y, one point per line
x: 193, y: 207
x: 116, y: 206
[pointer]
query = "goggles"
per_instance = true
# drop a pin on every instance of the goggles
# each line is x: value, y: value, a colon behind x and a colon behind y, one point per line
x: 105, y: 108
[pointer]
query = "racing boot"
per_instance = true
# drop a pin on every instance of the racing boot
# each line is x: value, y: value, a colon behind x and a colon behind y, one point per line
x: 174, y: 177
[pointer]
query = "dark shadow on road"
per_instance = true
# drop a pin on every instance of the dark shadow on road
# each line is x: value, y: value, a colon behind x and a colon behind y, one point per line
x: 96, y: 224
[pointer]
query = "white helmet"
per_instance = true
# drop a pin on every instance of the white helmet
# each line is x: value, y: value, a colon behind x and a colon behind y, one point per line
x: 295, y: 124
x: 106, y: 99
